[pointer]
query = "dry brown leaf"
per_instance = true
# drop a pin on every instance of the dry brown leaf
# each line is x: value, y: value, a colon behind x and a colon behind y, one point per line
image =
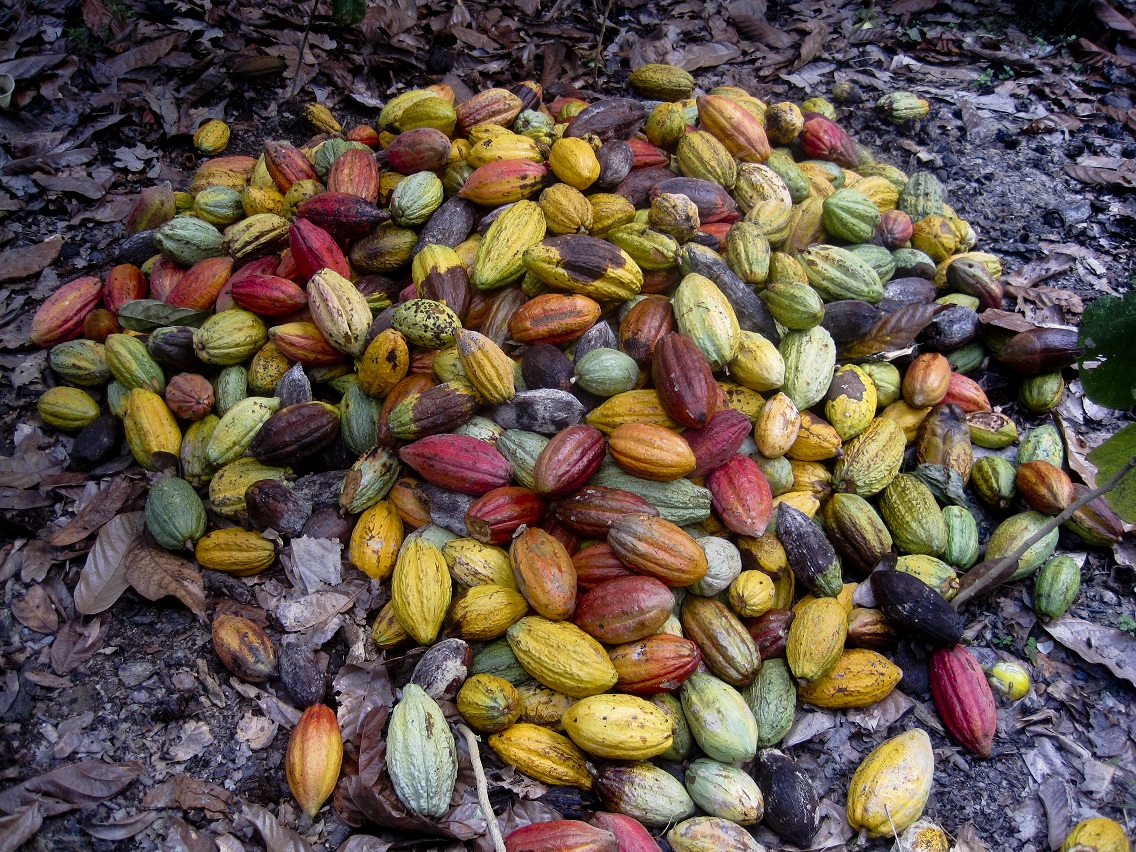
x: 1050, y: 123
x: 35, y: 611
x: 76, y: 643
x: 1113, y: 19
x: 20, y: 827
x: 1106, y: 171
x: 74, y: 786
x: 155, y: 573
x: 813, y: 45
x: 98, y: 511
x: 103, y: 578
x: 1038, y: 270
x: 19, y: 263
x: 1097, y: 644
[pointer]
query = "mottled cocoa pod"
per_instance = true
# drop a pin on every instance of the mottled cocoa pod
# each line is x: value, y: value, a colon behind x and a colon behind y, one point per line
x: 443, y: 669
x: 301, y: 675
x: 273, y: 505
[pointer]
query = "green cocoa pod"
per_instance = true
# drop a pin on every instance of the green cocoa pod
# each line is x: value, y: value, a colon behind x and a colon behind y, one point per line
x: 993, y: 481
x: 962, y: 537
x: 1055, y: 587
x: 720, y: 720
x: 772, y: 698
x: 1013, y: 532
x: 1043, y: 443
x: 175, y: 515
x: 914, y: 518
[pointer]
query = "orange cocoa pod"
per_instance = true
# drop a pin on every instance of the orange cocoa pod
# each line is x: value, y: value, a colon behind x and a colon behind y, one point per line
x: 656, y: 547
x: 287, y: 165
x: 1046, y: 487
x: 591, y: 511
x: 124, y: 283
x: 355, y: 172
x: 61, y: 317
x: 651, y: 452
x: 735, y: 127
x: 544, y: 573
x: 927, y: 380
x: 199, y: 287
x: 314, y: 757
x: 553, y: 318
x: 966, y: 394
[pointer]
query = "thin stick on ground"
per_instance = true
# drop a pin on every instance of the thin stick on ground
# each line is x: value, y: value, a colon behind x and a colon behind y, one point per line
x: 303, y: 47
x: 482, y: 787
x: 600, y: 41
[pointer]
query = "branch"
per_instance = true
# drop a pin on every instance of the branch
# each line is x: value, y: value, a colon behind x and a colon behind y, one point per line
x: 988, y: 575
x: 599, y: 42
x: 482, y: 787
x: 303, y: 47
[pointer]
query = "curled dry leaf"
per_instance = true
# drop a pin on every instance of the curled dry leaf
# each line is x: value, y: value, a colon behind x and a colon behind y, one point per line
x: 155, y: 573
x: 103, y: 579
x: 74, y: 786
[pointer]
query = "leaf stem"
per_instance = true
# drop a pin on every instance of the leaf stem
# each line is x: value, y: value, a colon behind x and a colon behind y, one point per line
x: 1003, y: 569
x: 482, y: 787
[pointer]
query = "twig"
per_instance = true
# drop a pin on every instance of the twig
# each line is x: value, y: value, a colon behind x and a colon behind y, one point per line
x: 1003, y: 569
x: 482, y: 787
x: 303, y: 47
x: 599, y: 42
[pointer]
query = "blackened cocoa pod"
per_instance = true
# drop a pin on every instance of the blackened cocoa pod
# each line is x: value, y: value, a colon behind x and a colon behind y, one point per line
x: 916, y: 610
x: 545, y: 366
x: 382, y: 321
x: 450, y: 286
x: 172, y: 347
x: 489, y: 218
x: 954, y: 327
x: 592, y: 510
x: 450, y: 224
x: 713, y: 201
x: 97, y: 442
x: 379, y: 285
x: 330, y: 522
x: 543, y: 411
x: 648, y: 322
x: 294, y: 387
x: 792, y: 807
x: 321, y: 489
x: 572, y: 802
x: 638, y: 185
x: 447, y: 508
x: 906, y: 291
x: 273, y: 505
x: 1041, y: 350
x: 750, y: 308
x: 613, y: 118
x: 616, y: 158
x: 504, y: 304
x: 302, y: 676
x: 599, y: 336
x: 850, y: 319
x: 335, y: 456
x: 705, y: 238
x: 296, y: 432
x: 770, y: 631
x: 811, y: 556
x: 137, y: 248
x: 443, y: 669
x: 529, y: 92
x: 971, y: 278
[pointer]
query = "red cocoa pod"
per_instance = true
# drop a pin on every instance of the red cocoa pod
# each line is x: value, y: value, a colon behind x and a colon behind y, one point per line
x: 895, y: 229
x: 344, y: 216
x: 770, y: 630
x: 287, y: 164
x: 458, y: 463
x: 569, y: 460
x: 313, y: 249
x: 592, y: 510
x: 561, y: 835
x: 267, y: 265
x: 1046, y: 487
x: 825, y: 140
x: 61, y: 317
x: 658, y: 663
x: 424, y: 149
x: 596, y: 564
x: 966, y: 394
x: 544, y: 573
x: 625, y: 609
x: 199, y: 287
x: 631, y: 834
x: 963, y: 698
x: 648, y: 322
x: 268, y: 295
x: 713, y: 235
x: 355, y: 172
x: 287, y: 268
x: 164, y: 276
x: 717, y: 442
x: 647, y: 155
x: 494, y: 517
x: 189, y: 396
x: 124, y: 283
x: 1041, y: 350
x: 684, y: 381
x: 741, y: 496
x: 363, y: 133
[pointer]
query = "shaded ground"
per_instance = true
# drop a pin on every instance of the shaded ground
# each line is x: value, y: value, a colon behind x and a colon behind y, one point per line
x: 107, y: 94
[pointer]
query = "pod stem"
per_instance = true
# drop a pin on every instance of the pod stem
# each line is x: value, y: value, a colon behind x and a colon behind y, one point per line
x: 988, y: 575
x: 482, y: 787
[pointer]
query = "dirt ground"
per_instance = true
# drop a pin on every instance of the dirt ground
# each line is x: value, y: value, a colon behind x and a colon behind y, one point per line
x: 1014, y: 106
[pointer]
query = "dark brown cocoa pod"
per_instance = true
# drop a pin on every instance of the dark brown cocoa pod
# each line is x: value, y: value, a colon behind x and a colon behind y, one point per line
x: 915, y: 609
x: 1041, y: 350
x: 330, y: 522
x: 273, y: 505
x: 954, y: 327
x: 971, y: 278
x: 97, y: 442
x: 612, y: 118
x: 850, y: 319
x: 638, y: 185
x: 810, y: 554
x: 684, y: 381
x: 450, y: 286
x: 296, y: 432
x: 869, y: 628
x: 302, y: 676
x: 443, y: 669
x: 909, y: 265
x: 616, y: 159
x: 545, y: 366
x: 792, y: 807
x: 648, y: 322
x: 749, y: 307
x: 572, y: 802
x: 906, y: 291
x: 591, y: 511
x: 529, y: 92
x: 321, y: 489
x: 294, y: 387
x: 503, y: 305
x: 770, y: 631
x: 599, y: 336
x: 172, y: 347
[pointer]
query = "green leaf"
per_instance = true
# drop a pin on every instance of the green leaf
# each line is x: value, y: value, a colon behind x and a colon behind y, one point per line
x: 149, y: 314
x: 1109, y: 458
x: 1107, y: 331
x: 346, y: 13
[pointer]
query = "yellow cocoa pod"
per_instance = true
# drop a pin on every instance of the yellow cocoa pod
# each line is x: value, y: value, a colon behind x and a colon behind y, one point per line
x: 635, y: 406
x: 228, y: 486
x: 562, y: 656
x: 705, y: 315
x: 574, y: 162
x: 816, y: 638
x: 609, y: 211
x: 235, y: 551
x: 474, y: 563
x: 1097, y: 834
x: 489, y: 703
x: 212, y: 137
x: 376, y: 540
x: 150, y: 427
x: 69, y: 409
x: 566, y: 210
x: 757, y: 364
x: 420, y: 589
x: 545, y: 755
x: 543, y: 706
x: 268, y: 366
x: 890, y: 787
x: 487, y: 367
x: 860, y: 678
x: 384, y: 363
x: 386, y: 632
x: 776, y: 427
x: 618, y: 727
x: 816, y: 440
x: 485, y: 612
x: 850, y: 404
x: 752, y: 593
